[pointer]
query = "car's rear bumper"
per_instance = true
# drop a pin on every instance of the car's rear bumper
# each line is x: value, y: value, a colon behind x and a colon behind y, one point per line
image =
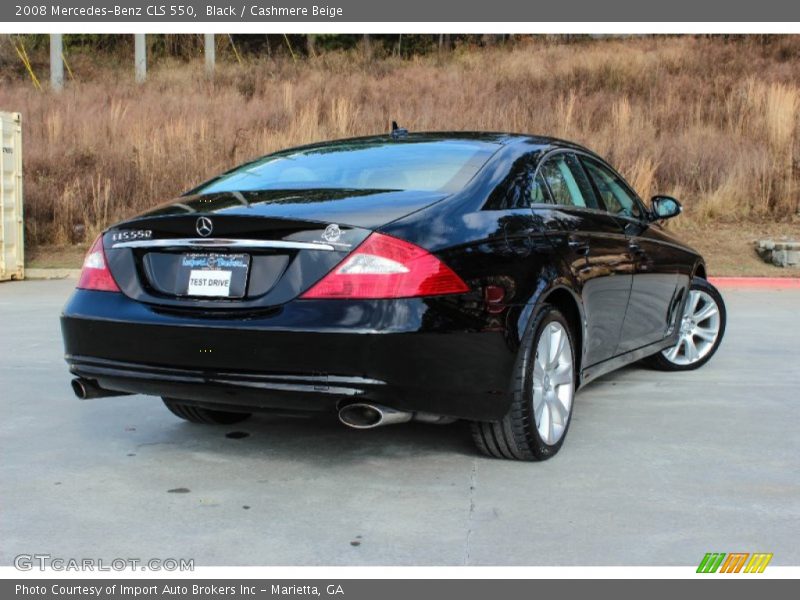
x: 414, y: 355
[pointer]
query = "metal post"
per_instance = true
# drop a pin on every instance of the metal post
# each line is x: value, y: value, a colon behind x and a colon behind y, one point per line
x: 140, y: 57
x: 211, y: 53
x: 56, y: 61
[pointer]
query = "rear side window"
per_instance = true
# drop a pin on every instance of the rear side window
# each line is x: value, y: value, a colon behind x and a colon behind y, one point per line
x: 567, y: 182
x: 539, y: 193
x: 522, y: 187
x: 616, y: 195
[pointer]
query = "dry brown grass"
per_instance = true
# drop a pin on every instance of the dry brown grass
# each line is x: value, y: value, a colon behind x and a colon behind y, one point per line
x: 712, y: 121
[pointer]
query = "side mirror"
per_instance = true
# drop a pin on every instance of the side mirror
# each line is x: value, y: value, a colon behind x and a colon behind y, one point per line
x: 664, y: 207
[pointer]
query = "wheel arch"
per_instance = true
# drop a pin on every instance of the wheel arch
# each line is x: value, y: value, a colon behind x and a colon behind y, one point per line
x: 699, y: 270
x: 568, y: 303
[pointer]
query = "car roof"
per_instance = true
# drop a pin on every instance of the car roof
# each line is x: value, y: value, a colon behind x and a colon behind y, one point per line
x: 499, y: 138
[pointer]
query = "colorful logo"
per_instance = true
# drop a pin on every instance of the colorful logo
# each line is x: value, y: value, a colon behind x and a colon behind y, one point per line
x: 734, y: 562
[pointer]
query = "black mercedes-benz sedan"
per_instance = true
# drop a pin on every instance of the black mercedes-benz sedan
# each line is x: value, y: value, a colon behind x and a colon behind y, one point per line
x: 429, y: 276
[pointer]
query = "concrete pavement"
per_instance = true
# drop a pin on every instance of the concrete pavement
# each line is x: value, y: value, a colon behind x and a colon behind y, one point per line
x: 658, y: 468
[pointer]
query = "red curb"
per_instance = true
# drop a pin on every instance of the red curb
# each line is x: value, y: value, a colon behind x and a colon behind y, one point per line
x: 773, y: 283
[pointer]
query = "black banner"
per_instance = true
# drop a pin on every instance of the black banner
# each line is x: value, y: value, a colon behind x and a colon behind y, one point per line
x: 497, y: 11
x: 392, y: 589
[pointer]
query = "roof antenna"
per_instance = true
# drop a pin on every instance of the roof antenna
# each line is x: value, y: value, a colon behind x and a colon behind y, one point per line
x: 398, y: 132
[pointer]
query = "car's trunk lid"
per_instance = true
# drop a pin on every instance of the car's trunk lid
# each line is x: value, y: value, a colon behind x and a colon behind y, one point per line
x: 245, y: 251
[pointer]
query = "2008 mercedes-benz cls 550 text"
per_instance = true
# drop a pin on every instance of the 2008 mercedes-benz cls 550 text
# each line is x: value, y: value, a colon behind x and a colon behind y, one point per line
x: 429, y: 276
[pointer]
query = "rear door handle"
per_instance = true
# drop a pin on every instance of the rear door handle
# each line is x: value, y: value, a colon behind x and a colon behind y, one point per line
x: 578, y: 245
x: 635, y: 248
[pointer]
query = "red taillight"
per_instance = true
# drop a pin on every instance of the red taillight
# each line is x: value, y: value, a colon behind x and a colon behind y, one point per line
x: 95, y: 274
x: 386, y: 267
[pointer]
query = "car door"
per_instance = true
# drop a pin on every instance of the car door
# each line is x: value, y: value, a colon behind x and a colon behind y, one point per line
x: 594, y: 248
x: 653, y: 299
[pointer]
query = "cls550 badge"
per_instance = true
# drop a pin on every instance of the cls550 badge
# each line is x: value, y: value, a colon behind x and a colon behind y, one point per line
x: 129, y: 235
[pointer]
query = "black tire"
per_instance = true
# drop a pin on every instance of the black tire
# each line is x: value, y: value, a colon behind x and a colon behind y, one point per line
x: 660, y: 362
x: 516, y: 436
x: 205, y: 416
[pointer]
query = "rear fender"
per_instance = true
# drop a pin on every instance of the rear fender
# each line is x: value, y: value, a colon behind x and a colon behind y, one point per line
x: 558, y: 292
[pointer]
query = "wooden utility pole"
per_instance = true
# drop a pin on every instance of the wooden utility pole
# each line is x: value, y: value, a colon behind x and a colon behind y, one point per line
x: 140, y: 57
x: 56, y: 61
x: 210, y: 52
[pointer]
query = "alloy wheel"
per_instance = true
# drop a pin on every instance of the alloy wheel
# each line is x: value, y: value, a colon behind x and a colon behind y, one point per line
x: 553, y: 383
x: 699, y: 329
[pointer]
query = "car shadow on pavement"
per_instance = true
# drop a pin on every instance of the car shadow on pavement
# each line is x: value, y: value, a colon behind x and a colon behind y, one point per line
x: 314, y: 438
x: 141, y: 426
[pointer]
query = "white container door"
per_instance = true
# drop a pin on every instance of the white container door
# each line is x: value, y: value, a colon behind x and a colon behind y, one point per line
x: 12, y: 260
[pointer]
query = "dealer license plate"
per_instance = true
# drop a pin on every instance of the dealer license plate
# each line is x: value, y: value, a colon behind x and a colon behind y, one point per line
x: 215, y: 275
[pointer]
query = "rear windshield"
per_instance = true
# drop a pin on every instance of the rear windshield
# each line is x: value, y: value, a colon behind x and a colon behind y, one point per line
x: 383, y: 165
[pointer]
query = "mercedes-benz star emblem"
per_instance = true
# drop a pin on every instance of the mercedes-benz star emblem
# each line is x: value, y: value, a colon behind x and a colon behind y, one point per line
x: 204, y: 226
x: 332, y: 233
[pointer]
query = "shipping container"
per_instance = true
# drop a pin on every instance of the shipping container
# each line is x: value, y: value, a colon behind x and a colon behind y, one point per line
x: 12, y: 252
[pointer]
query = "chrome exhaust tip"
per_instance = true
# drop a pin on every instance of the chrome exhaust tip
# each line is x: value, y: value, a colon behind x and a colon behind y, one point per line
x: 81, y: 388
x: 367, y: 416
x: 87, y: 389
